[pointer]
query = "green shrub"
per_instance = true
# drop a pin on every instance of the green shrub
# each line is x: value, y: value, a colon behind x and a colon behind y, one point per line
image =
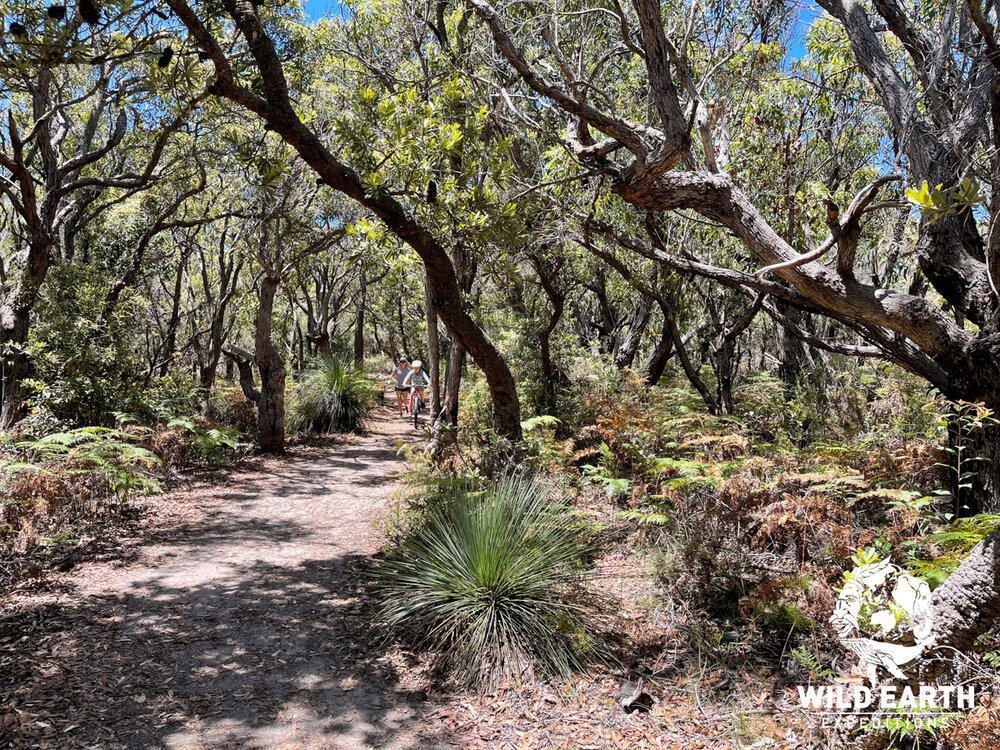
x: 169, y: 397
x: 490, y: 578
x: 208, y: 442
x: 84, y: 371
x: 128, y: 468
x: 332, y: 397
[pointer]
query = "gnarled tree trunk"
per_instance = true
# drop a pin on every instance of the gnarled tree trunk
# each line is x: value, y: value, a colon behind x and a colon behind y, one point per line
x: 661, y: 353
x: 629, y: 344
x: 15, y: 323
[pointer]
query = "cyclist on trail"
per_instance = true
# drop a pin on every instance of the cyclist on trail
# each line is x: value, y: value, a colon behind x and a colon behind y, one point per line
x: 400, y: 373
x: 417, y: 380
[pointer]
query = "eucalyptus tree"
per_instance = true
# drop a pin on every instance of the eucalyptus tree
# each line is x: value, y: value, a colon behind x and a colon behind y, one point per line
x: 323, y: 294
x: 289, y: 224
x: 88, y: 124
x: 221, y: 254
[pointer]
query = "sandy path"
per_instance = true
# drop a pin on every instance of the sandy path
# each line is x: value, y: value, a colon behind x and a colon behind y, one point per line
x: 239, y: 623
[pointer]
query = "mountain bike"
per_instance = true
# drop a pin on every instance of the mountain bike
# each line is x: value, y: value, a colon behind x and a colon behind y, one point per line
x: 418, y: 405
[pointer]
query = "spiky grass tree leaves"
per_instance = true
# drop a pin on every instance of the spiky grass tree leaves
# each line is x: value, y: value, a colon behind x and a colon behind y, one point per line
x: 491, y: 579
x: 332, y: 397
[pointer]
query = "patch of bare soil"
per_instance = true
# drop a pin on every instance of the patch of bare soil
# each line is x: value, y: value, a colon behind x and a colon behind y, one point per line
x: 237, y: 619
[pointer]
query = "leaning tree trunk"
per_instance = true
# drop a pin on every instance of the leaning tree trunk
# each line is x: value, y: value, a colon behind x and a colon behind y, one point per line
x: 271, y: 406
x: 659, y: 357
x: 965, y: 605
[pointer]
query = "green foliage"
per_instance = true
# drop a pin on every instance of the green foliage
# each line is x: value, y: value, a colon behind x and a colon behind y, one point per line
x: 545, y: 449
x: 964, y: 419
x: 809, y: 662
x: 85, y: 368
x: 649, y: 514
x: 170, y: 397
x: 490, y: 579
x: 130, y: 469
x: 332, y: 397
x: 543, y: 420
x: 208, y: 443
x: 965, y: 533
x: 954, y: 540
x: 939, y: 201
x: 603, y: 473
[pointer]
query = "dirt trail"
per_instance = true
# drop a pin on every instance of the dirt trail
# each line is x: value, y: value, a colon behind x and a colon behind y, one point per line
x: 239, y: 622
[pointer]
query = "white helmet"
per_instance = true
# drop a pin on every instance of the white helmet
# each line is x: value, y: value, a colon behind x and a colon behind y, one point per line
x: 417, y: 363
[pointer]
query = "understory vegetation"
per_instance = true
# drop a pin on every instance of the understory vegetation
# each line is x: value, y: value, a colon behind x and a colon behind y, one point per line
x: 727, y: 538
x: 489, y: 576
x: 331, y: 397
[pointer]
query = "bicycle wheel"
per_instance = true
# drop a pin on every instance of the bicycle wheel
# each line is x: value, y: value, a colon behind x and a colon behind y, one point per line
x: 417, y: 403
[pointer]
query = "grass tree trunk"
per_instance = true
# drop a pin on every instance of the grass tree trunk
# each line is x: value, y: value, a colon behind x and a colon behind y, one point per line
x: 271, y: 405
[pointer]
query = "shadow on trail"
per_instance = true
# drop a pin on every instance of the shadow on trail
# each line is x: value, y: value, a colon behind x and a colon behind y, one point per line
x: 266, y: 657
x: 248, y: 628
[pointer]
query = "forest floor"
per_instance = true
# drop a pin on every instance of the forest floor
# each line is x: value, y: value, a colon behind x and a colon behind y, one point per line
x: 237, y: 616
x: 234, y: 620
